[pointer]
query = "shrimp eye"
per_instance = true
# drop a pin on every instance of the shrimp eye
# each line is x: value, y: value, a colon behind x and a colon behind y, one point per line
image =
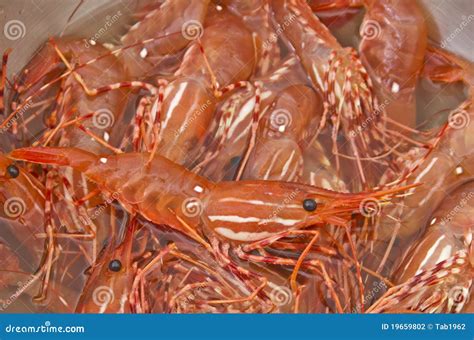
x: 13, y: 171
x: 115, y: 265
x: 309, y: 204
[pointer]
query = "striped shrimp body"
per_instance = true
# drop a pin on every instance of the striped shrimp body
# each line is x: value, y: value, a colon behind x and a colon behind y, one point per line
x: 450, y: 232
x: 165, y: 193
x: 442, y: 288
x: 234, y: 126
x: 394, y: 41
x: 449, y: 165
x: 179, y: 21
x: 284, y: 126
x: 257, y: 17
x: 339, y: 76
x: 202, y: 78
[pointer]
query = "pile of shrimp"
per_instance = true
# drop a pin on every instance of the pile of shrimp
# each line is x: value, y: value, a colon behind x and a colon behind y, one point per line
x: 229, y: 156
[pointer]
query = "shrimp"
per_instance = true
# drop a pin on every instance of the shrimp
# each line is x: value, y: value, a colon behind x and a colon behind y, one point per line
x: 226, y: 210
x: 277, y: 154
x: 195, y: 281
x: 257, y: 18
x: 201, y: 80
x: 450, y: 232
x: 441, y: 288
x: 233, y: 127
x: 119, y: 282
x: 449, y: 165
x: 27, y: 205
x: 180, y: 21
x: 99, y: 113
x: 108, y: 287
x: 339, y: 76
x: 394, y: 41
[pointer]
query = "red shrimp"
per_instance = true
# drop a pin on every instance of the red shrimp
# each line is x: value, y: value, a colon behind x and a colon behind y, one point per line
x: 340, y: 78
x: 447, y: 166
x: 227, y: 209
x: 284, y: 126
x: 433, y: 290
x: 257, y: 18
x: 111, y: 277
x: 233, y: 127
x: 106, y: 109
x: 450, y: 232
x: 188, y: 105
x: 394, y: 40
x: 179, y: 21
x: 449, y: 227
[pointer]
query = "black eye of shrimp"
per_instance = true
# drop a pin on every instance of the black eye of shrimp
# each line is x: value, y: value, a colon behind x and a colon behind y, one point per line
x: 13, y: 171
x: 310, y: 204
x: 115, y: 265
